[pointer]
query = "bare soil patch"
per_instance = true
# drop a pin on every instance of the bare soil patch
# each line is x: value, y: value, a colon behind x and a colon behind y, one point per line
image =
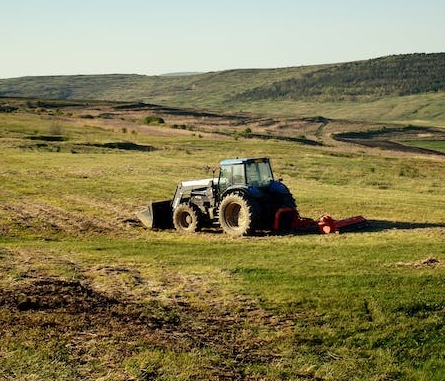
x: 391, y: 138
x: 46, y: 220
x: 393, y: 146
x: 83, y: 319
x: 428, y: 262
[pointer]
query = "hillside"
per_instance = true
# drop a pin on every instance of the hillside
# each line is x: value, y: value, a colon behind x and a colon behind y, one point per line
x: 220, y: 86
x: 403, y: 89
x: 153, y: 120
x: 387, y: 76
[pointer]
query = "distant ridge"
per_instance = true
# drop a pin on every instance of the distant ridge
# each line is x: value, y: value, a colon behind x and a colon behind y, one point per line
x: 358, y: 81
x: 181, y: 74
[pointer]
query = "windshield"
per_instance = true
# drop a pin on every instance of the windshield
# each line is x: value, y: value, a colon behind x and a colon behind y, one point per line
x: 255, y: 174
x: 231, y: 175
x: 258, y: 174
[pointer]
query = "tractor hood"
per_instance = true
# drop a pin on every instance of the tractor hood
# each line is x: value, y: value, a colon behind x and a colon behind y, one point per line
x: 278, y: 187
x: 275, y: 187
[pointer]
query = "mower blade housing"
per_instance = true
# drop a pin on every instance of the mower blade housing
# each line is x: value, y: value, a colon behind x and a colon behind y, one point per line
x: 351, y: 224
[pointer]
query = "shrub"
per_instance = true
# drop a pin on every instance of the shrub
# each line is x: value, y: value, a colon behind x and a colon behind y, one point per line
x: 407, y: 171
x: 153, y: 119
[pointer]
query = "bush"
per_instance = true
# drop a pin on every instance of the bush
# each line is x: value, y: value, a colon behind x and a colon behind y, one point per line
x: 153, y: 119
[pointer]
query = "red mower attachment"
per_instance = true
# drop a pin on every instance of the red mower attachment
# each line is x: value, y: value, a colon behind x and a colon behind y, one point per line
x: 327, y: 224
x: 289, y: 218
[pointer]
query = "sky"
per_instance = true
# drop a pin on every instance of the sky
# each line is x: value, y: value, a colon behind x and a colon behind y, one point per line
x: 155, y: 37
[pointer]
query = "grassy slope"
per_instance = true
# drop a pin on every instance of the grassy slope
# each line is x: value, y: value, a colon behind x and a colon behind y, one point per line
x: 219, y: 90
x: 190, y: 90
x: 393, y: 75
x: 425, y: 109
x: 114, y: 301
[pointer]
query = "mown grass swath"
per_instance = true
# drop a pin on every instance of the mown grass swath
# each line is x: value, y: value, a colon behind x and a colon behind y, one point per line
x: 88, y: 293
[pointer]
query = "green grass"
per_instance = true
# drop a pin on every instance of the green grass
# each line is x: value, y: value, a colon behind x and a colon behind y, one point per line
x: 436, y: 145
x: 421, y: 109
x: 86, y: 294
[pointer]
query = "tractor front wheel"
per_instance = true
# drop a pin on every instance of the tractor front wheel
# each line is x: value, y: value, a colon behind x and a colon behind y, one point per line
x: 186, y: 218
x: 238, y: 215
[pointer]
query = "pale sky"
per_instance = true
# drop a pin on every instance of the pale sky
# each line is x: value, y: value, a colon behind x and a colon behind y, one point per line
x: 153, y: 37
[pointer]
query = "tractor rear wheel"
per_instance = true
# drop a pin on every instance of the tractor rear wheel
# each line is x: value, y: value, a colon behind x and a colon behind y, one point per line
x: 186, y: 218
x: 238, y: 215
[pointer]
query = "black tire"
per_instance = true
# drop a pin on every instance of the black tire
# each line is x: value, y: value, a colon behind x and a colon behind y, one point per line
x: 186, y: 218
x: 238, y: 215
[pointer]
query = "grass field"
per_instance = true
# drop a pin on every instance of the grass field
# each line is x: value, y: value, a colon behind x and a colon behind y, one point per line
x: 437, y: 145
x: 88, y: 294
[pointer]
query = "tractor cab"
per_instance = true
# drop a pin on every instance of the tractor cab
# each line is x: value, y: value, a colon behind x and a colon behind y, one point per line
x: 244, y: 173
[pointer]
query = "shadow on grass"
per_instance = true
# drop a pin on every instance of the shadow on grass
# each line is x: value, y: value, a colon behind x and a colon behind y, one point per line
x: 381, y: 225
x: 370, y: 226
x: 128, y: 146
x: 373, y: 226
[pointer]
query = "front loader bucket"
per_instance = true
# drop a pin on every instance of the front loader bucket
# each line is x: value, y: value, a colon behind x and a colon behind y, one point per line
x: 328, y: 225
x: 158, y: 215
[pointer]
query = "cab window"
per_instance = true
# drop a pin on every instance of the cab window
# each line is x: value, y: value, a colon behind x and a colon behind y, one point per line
x: 231, y: 175
x: 259, y: 174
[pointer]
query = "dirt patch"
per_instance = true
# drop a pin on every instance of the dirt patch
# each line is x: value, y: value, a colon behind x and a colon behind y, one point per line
x: 90, y: 324
x: 389, y: 138
x: 428, y: 262
x: 55, y: 294
x: 392, y: 146
x: 46, y: 220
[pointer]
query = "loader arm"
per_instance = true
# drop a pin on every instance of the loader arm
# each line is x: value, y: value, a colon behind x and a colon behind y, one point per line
x: 187, y: 189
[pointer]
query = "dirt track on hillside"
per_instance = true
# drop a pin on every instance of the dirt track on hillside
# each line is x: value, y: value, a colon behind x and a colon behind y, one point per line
x: 392, y: 146
x: 181, y: 122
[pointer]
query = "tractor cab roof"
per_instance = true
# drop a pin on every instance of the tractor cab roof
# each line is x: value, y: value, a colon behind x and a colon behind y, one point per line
x: 244, y: 161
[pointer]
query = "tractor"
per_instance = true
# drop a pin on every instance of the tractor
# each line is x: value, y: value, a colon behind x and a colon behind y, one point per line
x: 243, y: 199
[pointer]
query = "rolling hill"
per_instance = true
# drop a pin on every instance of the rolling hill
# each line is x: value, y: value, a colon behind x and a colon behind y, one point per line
x: 402, y: 88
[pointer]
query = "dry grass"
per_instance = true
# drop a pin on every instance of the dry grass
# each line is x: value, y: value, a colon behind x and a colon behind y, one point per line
x: 87, y: 293
x: 94, y: 317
